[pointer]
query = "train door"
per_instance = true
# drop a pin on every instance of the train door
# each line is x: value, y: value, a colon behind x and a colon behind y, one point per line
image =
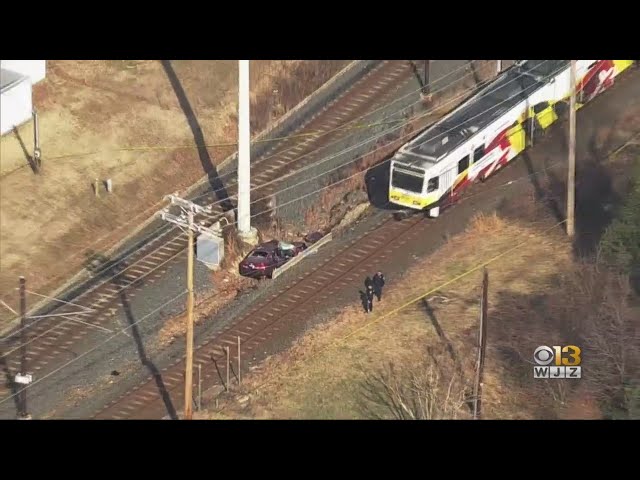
x: 445, y: 181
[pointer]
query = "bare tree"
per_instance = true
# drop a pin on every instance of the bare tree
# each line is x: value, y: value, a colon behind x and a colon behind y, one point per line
x: 430, y: 390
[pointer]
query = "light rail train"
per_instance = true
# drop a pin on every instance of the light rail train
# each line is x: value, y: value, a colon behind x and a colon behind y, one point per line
x: 491, y: 128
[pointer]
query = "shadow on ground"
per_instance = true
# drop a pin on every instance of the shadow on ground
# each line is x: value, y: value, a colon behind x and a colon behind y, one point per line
x: 208, y: 165
x: 144, y: 359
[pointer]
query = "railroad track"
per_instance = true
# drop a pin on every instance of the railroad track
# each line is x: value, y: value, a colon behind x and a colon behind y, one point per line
x: 50, y: 341
x: 291, y: 303
x: 301, y: 298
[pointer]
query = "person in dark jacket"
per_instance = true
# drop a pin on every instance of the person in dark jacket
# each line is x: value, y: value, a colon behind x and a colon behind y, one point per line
x: 378, y: 283
x: 369, y: 298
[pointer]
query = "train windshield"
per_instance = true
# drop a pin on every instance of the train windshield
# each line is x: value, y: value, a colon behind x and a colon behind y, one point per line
x: 412, y: 182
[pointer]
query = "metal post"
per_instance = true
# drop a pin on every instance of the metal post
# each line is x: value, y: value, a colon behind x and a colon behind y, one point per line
x: 188, y: 384
x: 37, y: 154
x: 482, y: 344
x: 244, y: 153
x: 228, y: 364
x: 239, y: 364
x: 199, y: 387
x: 571, y: 189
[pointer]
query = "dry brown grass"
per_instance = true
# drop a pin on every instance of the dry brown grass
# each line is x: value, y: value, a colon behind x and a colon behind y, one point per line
x: 99, y: 107
x: 320, y: 376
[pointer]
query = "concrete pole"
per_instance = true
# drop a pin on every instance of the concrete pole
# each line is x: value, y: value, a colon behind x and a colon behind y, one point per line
x: 499, y: 66
x: 245, y: 231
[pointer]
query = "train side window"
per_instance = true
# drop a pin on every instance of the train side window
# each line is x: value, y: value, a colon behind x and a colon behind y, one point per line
x: 478, y: 153
x: 463, y: 164
x: 433, y: 184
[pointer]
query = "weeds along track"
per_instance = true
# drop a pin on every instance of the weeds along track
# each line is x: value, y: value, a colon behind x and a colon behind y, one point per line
x: 48, y: 341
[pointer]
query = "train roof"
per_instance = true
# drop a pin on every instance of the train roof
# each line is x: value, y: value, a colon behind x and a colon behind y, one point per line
x: 510, y: 88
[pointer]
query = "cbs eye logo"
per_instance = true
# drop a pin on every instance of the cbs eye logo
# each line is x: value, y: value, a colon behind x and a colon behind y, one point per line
x: 568, y: 356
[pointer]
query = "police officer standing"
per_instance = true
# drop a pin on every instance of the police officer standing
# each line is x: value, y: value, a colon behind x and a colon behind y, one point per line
x: 378, y: 283
x: 369, y: 298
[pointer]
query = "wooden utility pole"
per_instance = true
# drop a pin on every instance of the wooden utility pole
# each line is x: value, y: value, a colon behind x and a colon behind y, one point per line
x: 186, y: 222
x: 482, y: 346
x: 571, y: 189
x: 188, y: 383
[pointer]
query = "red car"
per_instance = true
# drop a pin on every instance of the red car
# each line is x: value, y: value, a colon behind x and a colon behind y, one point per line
x: 266, y: 257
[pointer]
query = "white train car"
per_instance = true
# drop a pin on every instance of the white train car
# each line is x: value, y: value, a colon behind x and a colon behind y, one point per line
x: 490, y: 129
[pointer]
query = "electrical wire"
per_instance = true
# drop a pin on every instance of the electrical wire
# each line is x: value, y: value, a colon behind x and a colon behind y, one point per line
x: 35, y: 382
x: 255, y: 215
x: 344, y: 127
x: 482, y: 192
x: 343, y: 340
x: 430, y: 292
x: 386, y: 315
x: 263, y: 159
x: 234, y: 144
x: 5, y: 354
x: 358, y: 173
x: 172, y: 229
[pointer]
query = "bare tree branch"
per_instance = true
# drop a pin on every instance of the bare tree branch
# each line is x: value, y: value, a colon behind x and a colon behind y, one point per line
x: 431, y: 389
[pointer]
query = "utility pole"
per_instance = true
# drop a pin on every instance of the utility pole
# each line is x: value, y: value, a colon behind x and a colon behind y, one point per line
x: 482, y: 346
x: 571, y: 189
x: 23, y: 379
x: 245, y: 231
x: 185, y: 221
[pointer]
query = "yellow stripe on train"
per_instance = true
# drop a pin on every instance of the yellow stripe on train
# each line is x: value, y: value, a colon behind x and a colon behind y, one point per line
x: 411, y: 200
x: 622, y: 65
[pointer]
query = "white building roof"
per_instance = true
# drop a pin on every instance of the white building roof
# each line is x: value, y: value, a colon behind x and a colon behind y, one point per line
x: 9, y: 78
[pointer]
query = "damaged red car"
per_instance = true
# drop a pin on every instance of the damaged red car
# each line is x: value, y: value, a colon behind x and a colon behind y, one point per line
x: 266, y: 257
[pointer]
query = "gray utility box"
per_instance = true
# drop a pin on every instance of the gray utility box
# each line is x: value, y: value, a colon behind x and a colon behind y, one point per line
x: 210, y: 247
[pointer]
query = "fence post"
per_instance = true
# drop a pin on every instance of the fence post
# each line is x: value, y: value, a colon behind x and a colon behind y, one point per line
x: 199, y: 386
x: 239, y: 363
x: 228, y: 372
